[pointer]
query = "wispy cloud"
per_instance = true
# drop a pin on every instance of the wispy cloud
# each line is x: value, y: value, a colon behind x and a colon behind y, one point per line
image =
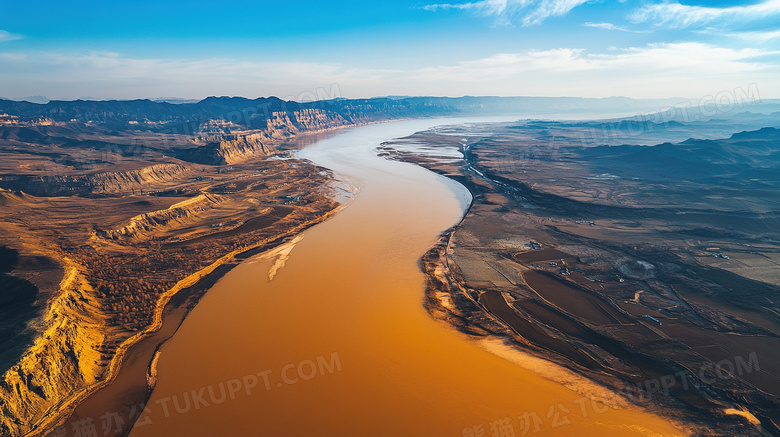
x: 505, y: 12
x: 7, y: 36
x: 113, y: 75
x: 678, y: 15
x: 757, y: 36
x: 656, y: 57
x: 610, y: 26
x: 657, y: 70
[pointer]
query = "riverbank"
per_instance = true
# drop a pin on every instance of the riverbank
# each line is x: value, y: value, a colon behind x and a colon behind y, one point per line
x: 595, y: 290
x: 352, y: 288
x: 172, y: 309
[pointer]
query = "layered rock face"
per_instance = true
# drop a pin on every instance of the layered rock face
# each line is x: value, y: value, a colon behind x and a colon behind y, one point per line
x: 141, y: 225
x: 239, y: 145
x: 280, y: 127
x: 66, y: 359
x: 116, y: 182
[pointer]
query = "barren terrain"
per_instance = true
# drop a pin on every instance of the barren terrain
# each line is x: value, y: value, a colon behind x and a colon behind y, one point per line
x: 100, y: 228
x: 656, y: 277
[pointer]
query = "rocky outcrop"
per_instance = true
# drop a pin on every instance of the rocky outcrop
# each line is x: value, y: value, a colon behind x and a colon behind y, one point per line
x: 97, y: 183
x: 305, y: 120
x: 280, y: 127
x: 116, y: 182
x: 242, y: 147
x: 180, y: 213
x: 235, y: 147
x: 70, y: 354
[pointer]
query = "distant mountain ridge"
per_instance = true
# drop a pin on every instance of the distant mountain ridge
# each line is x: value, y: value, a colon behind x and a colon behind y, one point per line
x: 252, y: 112
x: 766, y: 133
x: 745, y: 159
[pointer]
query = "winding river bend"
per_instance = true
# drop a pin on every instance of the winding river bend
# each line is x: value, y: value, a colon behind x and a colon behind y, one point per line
x: 327, y: 336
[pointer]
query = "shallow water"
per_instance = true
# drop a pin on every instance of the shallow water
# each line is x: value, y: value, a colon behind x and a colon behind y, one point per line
x: 338, y: 342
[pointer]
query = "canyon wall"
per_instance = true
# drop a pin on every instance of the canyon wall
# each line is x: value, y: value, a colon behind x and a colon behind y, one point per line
x: 69, y: 356
x: 238, y: 146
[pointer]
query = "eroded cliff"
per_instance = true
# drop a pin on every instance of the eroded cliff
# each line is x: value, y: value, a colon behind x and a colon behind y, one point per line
x: 234, y: 144
x: 185, y: 212
x: 69, y: 354
x: 102, y: 183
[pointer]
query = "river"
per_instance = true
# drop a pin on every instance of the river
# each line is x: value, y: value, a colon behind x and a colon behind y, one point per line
x: 327, y: 336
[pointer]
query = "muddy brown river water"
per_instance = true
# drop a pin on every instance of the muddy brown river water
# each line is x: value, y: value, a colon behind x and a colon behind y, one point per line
x: 327, y: 336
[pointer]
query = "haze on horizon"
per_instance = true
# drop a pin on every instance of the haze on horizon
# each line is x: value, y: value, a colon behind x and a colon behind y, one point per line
x: 354, y: 49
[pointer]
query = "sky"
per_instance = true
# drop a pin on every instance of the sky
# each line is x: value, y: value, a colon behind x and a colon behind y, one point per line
x: 304, y: 50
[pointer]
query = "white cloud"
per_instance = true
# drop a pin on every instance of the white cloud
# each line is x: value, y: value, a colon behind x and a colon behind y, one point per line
x: 610, y: 26
x: 675, y: 14
x: 758, y: 36
x: 7, y: 36
x: 654, y: 57
x: 112, y: 75
x: 528, y: 12
x: 687, y: 69
x: 656, y: 70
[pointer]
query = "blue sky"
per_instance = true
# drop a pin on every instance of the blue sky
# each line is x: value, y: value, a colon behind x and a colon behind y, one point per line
x: 300, y: 49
